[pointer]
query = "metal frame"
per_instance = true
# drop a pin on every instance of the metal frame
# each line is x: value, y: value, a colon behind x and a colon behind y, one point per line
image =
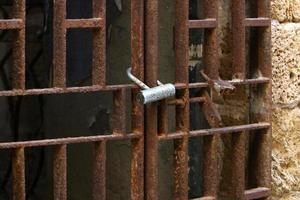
x: 144, y: 176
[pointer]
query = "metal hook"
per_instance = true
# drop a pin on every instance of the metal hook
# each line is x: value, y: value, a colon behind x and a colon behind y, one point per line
x: 137, y: 81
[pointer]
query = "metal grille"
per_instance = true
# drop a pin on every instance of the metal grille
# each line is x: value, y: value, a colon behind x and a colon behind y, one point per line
x: 260, y: 87
x: 144, y: 176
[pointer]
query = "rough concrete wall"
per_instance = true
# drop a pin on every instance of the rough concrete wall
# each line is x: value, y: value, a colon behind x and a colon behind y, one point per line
x: 286, y: 89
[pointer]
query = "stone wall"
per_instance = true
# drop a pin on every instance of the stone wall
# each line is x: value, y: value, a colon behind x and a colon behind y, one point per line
x: 286, y: 99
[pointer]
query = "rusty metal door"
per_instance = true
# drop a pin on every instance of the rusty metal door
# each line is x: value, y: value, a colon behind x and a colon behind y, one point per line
x: 257, y: 79
x: 150, y: 123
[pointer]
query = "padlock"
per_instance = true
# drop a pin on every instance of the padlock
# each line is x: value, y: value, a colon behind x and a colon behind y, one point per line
x: 150, y: 95
x: 157, y: 93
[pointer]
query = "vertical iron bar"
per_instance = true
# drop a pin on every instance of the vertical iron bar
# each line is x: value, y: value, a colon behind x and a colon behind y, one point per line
x: 262, y: 99
x: 151, y: 49
x: 182, y: 111
x: 119, y: 112
x: 239, y: 72
x: 211, y: 63
x: 59, y: 46
x: 210, y: 46
x: 18, y: 164
x: 99, y: 44
x: 18, y: 68
x: 163, y: 118
x: 238, y: 39
x: 238, y: 165
x: 60, y: 173
x: 99, y: 171
x: 137, y: 64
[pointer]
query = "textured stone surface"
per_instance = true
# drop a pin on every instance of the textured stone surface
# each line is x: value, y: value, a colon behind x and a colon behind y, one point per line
x: 286, y: 10
x: 286, y: 63
x: 286, y: 154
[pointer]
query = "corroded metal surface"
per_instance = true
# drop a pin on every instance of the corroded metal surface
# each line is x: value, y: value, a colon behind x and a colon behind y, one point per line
x: 151, y: 64
x: 144, y: 62
x: 60, y: 172
x: 18, y: 174
x: 99, y: 171
x: 137, y: 64
x: 18, y: 68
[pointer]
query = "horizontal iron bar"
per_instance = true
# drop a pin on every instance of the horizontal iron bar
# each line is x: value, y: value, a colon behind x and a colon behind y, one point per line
x: 84, y: 23
x: 213, y: 131
x: 6, y: 24
x: 261, y: 80
x: 203, y: 23
x: 231, y: 129
x: 204, y: 198
x: 197, y: 99
x: 69, y: 140
x: 258, y: 22
x: 96, y: 88
x: 182, y: 102
x: 257, y: 193
x: 65, y: 90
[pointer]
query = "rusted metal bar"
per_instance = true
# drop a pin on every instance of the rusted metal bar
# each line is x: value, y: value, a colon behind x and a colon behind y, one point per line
x: 181, y: 149
x: 238, y: 165
x: 99, y: 171
x: 84, y: 23
x: 137, y: 67
x: 257, y: 193
x: 231, y: 129
x: 197, y: 100
x: 99, y: 44
x: 175, y: 102
x: 264, y: 44
x: 257, y: 22
x: 254, y: 81
x: 59, y: 45
x: 6, y: 24
x: 203, y: 23
x: 261, y: 107
x: 210, y: 112
x: 119, y: 112
x: 151, y: 61
x: 239, y: 72
x: 69, y: 140
x: 235, y: 82
x: 18, y: 165
x: 85, y: 89
x: 97, y: 88
x: 210, y: 173
x: 182, y: 111
x: 204, y: 198
x: 163, y: 117
x: 211, y: 63
x: 213, y: 131
x: 238, y: 39
x: 210, y: 46
x: 18, y: 46
x: 60, y: 173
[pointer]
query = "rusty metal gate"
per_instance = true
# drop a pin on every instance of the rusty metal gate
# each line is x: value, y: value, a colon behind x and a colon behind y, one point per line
x: 150, y: 123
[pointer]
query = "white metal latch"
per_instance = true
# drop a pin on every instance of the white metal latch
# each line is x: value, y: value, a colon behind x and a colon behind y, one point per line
x: 149, y: 95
